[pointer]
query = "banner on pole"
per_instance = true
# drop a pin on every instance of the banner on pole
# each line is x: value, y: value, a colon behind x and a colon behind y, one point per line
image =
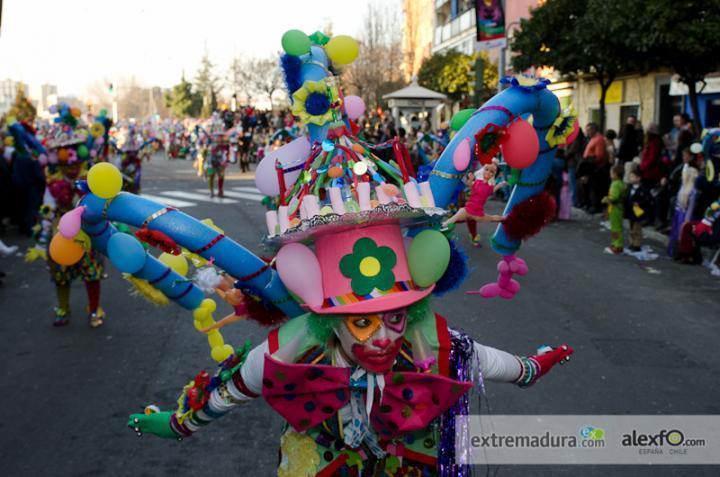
x: 490, y: 24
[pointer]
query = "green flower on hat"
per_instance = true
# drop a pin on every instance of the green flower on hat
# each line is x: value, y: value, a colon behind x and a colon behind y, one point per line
x: 369, y: 267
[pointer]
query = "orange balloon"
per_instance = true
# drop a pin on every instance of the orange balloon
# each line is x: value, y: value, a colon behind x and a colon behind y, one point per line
x: 65, y: 251
x: 63, y: 155
x: 75, y: 112
x: 358, y: 148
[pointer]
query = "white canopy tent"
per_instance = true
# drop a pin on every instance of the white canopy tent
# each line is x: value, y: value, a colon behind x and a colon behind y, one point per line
x: 415, y: 100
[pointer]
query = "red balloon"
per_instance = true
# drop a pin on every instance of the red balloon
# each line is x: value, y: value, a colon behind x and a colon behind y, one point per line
x: 574, y: 134
x: 521, y: 146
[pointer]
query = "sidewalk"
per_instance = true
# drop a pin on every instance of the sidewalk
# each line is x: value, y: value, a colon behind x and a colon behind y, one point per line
x: 648, y: 232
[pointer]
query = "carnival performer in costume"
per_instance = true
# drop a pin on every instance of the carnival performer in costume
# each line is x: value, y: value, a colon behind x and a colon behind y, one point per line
x: 369, y: 379
x: 217, y: 161
x: 134, y: 149
x: 71, y: 146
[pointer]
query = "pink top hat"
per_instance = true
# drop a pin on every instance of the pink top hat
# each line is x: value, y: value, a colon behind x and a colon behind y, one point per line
x: 365, y: 270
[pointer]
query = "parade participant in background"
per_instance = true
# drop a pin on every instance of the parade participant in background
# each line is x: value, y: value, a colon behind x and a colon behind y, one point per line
x: 71, y: 147
x: 369, y: 379
x: 615, y: 206
x: 134, y: 149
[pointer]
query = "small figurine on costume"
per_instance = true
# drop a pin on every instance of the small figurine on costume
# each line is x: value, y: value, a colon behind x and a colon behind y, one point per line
x: 483, y: 187
x: 71, y: 146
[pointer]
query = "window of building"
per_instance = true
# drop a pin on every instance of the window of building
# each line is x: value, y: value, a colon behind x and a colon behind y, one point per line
x: 628, y: 110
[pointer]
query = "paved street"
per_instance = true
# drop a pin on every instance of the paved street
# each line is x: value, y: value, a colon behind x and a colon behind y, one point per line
x: 645, y: 336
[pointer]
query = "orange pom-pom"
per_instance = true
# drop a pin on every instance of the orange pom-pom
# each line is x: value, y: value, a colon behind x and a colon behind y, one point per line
x: 63, y: 155
x: 335, y: 172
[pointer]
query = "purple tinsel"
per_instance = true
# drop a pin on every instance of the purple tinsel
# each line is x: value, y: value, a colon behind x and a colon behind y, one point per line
x: 462, y: 355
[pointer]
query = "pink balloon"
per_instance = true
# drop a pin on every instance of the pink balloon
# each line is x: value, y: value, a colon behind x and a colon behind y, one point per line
x: 461, y: 155
x: 69, y: 225
x: 521, y: 146
x: 574, y: 134
x: 43, y: 159
x: 354, y: 106
x: 291, y: 154
x: 52, y: 158
x: 299, y: 270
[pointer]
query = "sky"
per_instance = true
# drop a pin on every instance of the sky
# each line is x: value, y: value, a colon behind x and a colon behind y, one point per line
x: 76, y: 43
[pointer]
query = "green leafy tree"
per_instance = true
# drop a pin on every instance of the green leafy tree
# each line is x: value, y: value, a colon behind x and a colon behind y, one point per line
x: 592, y: 37
x: 182, y: 101
x: 683, y: 35
x: 453, y: 73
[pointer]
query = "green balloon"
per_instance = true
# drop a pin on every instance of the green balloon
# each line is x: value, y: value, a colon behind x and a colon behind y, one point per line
x: 295, y: 43
x: 460, y: 118
x: 428, y: 257
x: 82, y: 151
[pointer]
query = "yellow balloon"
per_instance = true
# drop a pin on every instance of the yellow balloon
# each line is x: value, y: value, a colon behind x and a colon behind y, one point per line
x: 65, y: 251
x: 176, y: 262
x: 221, y: 353
x: 342, y: 49
x: 104, y: 180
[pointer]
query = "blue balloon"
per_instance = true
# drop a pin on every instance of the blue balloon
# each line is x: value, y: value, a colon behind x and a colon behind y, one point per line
x: 314, y: 65
x: 126, y: 253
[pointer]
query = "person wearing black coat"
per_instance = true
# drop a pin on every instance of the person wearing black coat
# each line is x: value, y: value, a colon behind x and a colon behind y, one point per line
x: 638, y: 205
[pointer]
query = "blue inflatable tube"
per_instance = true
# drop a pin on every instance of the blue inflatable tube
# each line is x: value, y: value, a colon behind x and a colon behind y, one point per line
x: 501, y: 109
x: 189, y: 233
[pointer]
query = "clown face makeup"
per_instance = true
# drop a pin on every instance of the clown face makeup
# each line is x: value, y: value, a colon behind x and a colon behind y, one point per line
x: 373, y: 341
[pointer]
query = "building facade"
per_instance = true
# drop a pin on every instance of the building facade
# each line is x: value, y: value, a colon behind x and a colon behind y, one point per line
x: 8, y: 91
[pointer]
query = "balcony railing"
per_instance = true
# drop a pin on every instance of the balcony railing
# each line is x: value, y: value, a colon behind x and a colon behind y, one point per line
x: 455, y: 27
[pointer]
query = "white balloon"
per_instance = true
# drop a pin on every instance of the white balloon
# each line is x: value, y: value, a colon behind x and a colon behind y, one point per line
x: 290, y: 155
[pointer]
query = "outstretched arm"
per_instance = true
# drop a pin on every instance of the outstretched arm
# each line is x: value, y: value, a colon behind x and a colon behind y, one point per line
x: 203, y: 400
x: 498, y: 365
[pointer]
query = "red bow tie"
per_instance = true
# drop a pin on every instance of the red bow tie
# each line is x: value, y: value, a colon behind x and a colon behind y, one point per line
x: 308, y: 394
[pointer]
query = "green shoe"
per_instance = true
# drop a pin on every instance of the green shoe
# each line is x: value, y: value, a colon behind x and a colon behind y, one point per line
x: 62, y: 317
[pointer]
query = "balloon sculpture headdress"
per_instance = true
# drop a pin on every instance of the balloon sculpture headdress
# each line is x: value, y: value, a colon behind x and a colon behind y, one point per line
x: 337, y: 193
x: 372, y: 223
x: 70, y: 141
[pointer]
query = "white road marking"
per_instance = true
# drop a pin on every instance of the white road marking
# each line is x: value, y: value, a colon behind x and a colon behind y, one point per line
x: 201, y: 197
x: 253, y: 190
x: 168, y: 201
x: 240, y: 195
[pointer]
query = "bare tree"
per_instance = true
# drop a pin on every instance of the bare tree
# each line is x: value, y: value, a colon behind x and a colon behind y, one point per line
x: 98, y: 94
x: 239, y: 79
x: 265, y: 78
x: 378, y: 68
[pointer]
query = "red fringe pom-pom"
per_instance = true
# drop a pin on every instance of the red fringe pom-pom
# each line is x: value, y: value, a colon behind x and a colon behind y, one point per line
x: 529, y: 217
x: 259, y: 313
x: 159, y: 240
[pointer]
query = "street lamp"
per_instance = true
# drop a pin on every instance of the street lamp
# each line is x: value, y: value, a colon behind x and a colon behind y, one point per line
x: 503, y: 51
